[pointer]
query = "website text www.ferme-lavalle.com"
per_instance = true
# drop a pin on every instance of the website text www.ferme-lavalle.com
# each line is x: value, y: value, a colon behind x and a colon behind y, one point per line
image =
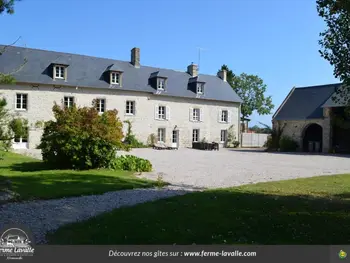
x: 203, y: 253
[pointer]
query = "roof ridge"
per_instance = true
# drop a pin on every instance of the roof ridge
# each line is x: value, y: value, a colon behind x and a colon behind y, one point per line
x: 96, y: 57
x: 319, y: 86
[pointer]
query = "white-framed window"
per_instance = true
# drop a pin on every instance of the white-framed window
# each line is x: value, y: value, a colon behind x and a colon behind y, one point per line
x: 115, y: 78
x: 196, y: 114
x: 21, y: 101
x: 195, y: 135
x: 68, y: 101
x: 101, y: 105
x: 160, y: 84
x: 223, y: 136
x: 224, y: 116
x: 161, y: 135
x: 200, y: 88
x: 130, y: 107
x: 59, y: 72
x: 162, y: 112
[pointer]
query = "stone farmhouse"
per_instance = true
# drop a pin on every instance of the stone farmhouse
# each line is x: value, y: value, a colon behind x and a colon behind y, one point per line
x: 309, y: 114
x: 177, y: 107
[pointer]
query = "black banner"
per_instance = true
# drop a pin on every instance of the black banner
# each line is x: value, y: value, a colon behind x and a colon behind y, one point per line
x: 192, y: 253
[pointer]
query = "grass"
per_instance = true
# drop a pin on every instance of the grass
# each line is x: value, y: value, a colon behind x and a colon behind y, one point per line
x: 32, y: 179
x: 303, y: 211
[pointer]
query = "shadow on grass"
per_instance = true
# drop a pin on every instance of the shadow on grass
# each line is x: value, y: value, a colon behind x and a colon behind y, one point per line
x: 59, y: 184
x: 217, y: 217
x: 33, y: 166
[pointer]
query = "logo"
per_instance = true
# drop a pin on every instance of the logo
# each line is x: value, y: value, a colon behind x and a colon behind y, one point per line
x: 342, y: 254
x: 15, y: 244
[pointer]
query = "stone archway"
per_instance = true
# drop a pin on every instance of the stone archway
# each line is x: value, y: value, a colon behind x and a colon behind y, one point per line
x: 312, y: 138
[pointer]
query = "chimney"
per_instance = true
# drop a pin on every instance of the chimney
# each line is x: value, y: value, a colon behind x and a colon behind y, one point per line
x: 135, y: 57
x: 223, y: 75
x: 192, y: 70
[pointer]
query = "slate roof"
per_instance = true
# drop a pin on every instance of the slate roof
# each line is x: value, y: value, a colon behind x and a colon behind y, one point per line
x: 87, y: 71
x: 306, y: 103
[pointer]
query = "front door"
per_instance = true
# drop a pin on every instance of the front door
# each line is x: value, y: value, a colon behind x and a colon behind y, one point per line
x: 175, y: 139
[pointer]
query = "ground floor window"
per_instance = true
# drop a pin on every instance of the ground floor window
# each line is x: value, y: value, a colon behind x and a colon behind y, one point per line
x: 161, y: 135
x: 223, y: 135
x: 195, y: 135
x: 20, y: 142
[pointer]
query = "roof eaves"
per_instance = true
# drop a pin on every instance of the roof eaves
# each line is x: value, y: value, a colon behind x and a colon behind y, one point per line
x: 284, y: 102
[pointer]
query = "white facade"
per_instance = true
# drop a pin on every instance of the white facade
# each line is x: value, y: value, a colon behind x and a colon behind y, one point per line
x: 209, y: 119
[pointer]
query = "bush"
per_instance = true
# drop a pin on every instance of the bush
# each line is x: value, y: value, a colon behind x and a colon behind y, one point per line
x: 287, y: 144
x: 81, y: 138
x: 235, y: 144
x: 131, y: 163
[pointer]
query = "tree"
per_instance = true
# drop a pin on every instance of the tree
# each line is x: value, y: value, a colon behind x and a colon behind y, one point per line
x: 251, y: 89
x: 335, y: 41
x: 10, y: 126
x: 7, y: 78
x: 7, y: 5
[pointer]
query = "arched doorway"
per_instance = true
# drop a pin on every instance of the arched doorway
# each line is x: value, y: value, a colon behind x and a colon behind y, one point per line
x: 312, y: 139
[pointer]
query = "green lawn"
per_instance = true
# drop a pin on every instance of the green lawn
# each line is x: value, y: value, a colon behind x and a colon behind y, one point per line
x: 302, y: 211
x: 32, y: 179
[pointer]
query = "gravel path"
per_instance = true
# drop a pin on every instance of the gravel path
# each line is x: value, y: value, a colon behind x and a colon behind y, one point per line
x: 233, y: 167
x: 225, y: 168
x: 48, y: 215
x: 187, y: 169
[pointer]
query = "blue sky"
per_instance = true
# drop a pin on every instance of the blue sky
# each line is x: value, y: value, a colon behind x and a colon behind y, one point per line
x: 274, y: 39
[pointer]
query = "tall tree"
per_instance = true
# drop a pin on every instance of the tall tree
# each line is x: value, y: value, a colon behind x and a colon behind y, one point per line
x: 7, y: 6
x: 335, y: 41
x: 251, y: 89
x: 11, y: 126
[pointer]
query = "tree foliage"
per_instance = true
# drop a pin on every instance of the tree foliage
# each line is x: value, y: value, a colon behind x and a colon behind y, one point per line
x: 7, y: 6
x: 335, y: 41
x: 251, y: 89
x: 11, y: 126
x: 81, y: 138
x: 265, y: 129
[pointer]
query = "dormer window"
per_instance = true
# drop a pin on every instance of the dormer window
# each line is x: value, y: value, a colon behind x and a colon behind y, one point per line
x: 115, y: 78
x: 161, y: 84
x: 200, y: 88
x: 59, y: 72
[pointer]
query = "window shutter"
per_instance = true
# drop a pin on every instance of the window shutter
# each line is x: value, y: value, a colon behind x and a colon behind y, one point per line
x: 229, y: 116
x: 167, y: 112
x: 191, y: 114
x: 219, y: 115
x: 200, y: 114
x: 156, y: 112
x: 134, y: 106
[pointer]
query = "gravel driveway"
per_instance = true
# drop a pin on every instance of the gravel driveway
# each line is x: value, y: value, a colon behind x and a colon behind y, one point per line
x: 188, y: 170
x: 224, y: 168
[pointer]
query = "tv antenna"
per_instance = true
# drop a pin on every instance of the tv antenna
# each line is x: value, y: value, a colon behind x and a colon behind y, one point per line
x: 199, y: 55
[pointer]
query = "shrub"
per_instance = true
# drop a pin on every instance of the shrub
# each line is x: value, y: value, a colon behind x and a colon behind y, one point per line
x: 287, y: 144
x: 131, y: 163
x: 273, y: 141
x: 130, y: 139
x: 81, y: 138
x: 235, y: 144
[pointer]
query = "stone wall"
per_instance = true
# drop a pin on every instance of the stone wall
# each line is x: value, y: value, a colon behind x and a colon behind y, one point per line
x: 296, y: 128
x: 42, y: 98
